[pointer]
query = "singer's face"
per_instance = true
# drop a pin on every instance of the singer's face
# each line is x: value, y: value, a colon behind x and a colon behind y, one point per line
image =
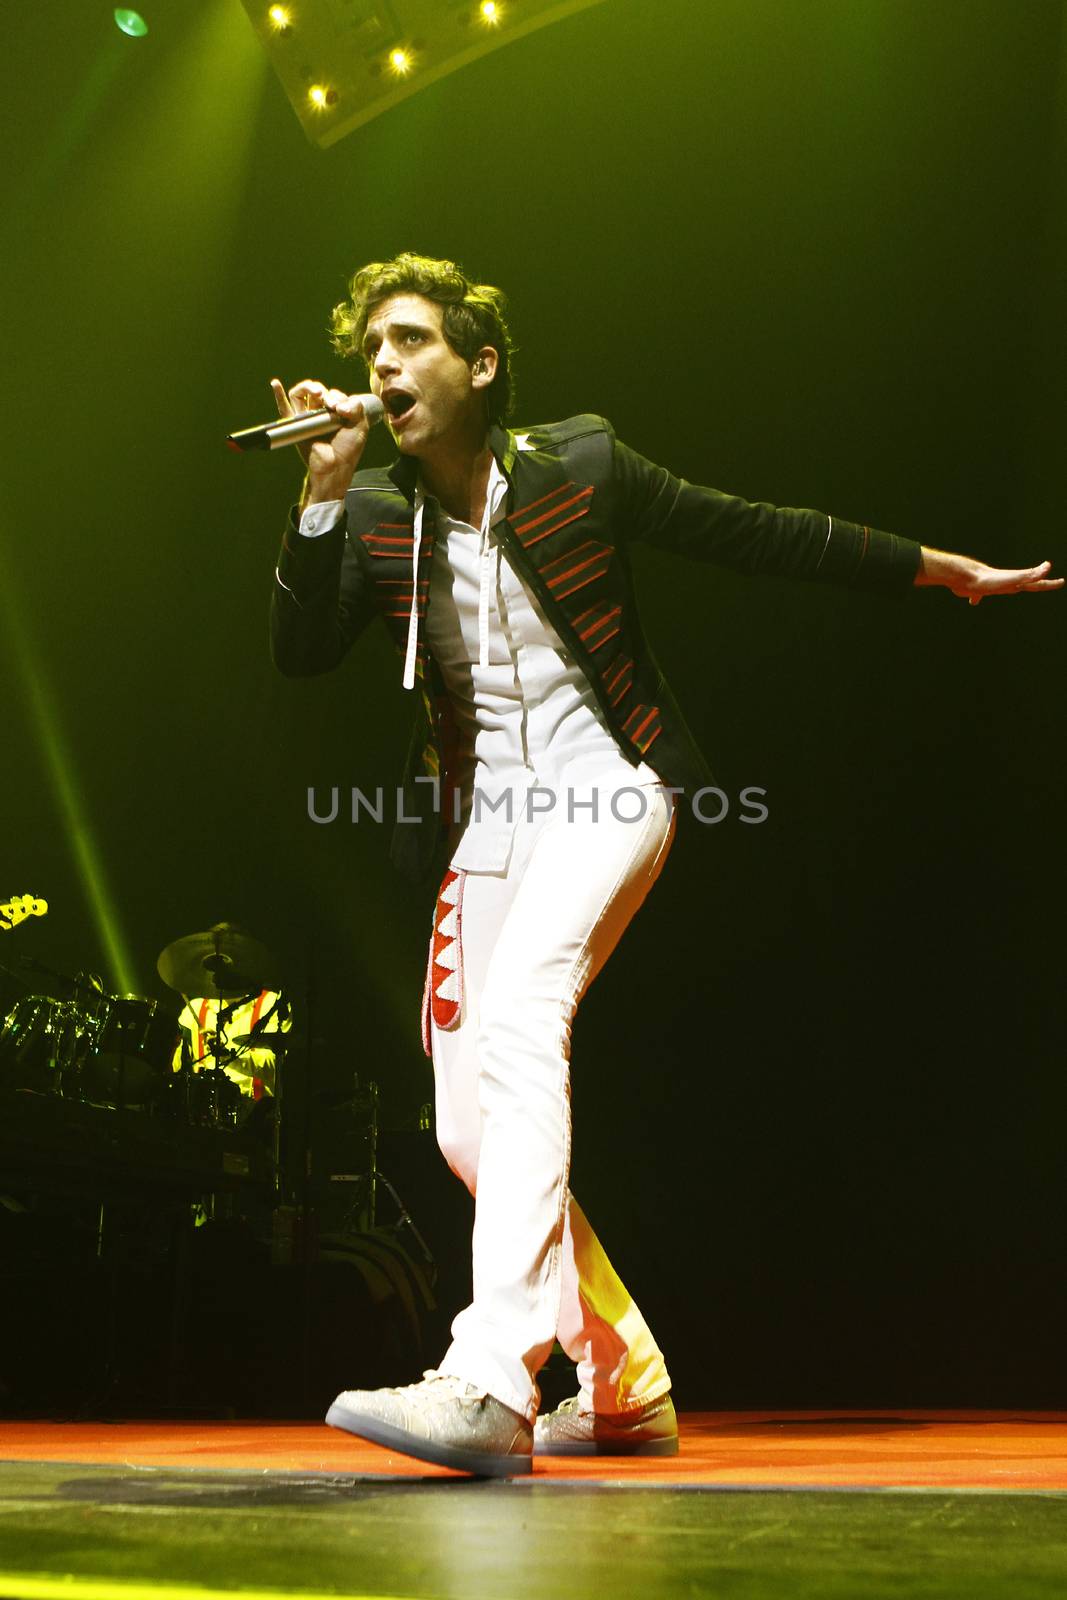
x: 427, y: 388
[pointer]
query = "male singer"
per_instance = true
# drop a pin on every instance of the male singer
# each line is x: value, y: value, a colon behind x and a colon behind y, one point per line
x: 548, y: 743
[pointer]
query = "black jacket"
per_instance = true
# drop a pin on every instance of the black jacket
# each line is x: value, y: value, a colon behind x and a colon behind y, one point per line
x: 576, y: 500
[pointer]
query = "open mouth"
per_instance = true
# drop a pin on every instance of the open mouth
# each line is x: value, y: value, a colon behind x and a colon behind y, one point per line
x: 398, y: 404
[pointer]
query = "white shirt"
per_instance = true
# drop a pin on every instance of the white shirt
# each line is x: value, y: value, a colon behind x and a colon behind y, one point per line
x: 525, y: 712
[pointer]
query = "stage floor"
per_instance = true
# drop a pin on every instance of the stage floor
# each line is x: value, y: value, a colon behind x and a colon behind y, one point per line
x: 831, y: 1506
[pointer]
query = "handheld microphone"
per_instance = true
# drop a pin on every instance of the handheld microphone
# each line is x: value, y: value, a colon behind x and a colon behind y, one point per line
x: 293, y: 430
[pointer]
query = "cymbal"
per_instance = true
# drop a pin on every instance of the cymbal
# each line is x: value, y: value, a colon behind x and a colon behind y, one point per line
x: 40, y: 979
x: 219, y: 964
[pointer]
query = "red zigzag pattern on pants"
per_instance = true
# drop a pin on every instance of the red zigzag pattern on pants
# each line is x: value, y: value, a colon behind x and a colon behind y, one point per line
x: 443, y: 996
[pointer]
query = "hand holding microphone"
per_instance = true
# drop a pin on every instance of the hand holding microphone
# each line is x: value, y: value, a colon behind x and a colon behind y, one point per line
x: 328, y: 427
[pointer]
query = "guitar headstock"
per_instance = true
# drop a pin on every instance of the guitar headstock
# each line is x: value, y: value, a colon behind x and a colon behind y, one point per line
x: 14, y: 911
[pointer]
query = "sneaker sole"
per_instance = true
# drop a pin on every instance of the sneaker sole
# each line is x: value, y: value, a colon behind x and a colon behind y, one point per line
x: 481, y: 1464
x: 609, y: 1447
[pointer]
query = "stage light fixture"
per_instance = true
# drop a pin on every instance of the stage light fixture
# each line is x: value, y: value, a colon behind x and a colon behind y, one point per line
x: 131, y: 22
x: 279, y: 18
x: 375, y: 53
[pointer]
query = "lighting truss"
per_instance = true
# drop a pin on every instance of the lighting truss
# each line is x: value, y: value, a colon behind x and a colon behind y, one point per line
x: 344, y: 62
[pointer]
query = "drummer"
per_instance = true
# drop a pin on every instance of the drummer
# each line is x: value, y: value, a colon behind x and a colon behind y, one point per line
x: 231, y: 986
x: 206, y: 1041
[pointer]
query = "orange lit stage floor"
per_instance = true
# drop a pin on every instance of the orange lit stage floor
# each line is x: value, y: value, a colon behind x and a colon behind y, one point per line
x: 944, y: 1450
x: 758, y: 1506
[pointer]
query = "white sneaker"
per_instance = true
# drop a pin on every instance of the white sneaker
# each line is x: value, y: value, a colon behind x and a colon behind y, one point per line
x: 442, y: 1419
x: 651, y: 1430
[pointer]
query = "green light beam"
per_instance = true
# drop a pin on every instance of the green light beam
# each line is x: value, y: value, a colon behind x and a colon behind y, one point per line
x: 73, y: 126
x: 63, y: 773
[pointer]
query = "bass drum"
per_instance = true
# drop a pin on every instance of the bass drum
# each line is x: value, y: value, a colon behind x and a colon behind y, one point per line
x: 134, y: 1050
x: 44, y: 1044
x: 212, y: 1100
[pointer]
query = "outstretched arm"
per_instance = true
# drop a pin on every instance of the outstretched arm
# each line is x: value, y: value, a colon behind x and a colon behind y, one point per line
x: 973, y: 580
x: 756, y: 538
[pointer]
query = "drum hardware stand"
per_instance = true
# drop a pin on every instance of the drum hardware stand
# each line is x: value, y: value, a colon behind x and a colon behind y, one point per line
x: 276, y: 1043
x: 95, y: 1404
x: 367, y: 1186
x: 107, y: 1251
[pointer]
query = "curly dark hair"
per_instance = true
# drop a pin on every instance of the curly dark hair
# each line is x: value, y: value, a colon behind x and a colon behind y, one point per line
x: 473, y: 314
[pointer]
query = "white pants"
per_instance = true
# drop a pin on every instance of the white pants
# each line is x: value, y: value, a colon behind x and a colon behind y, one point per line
x: 533, y: 938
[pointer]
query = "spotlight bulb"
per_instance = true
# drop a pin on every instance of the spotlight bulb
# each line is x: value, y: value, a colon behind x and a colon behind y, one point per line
x: 279, y: 17
x: 400, y: 61
x: 133, y: 24
x: 489, y: 11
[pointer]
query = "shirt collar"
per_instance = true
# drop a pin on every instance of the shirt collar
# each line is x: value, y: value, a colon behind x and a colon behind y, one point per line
x: 405, y: 469
x: 496, y: 490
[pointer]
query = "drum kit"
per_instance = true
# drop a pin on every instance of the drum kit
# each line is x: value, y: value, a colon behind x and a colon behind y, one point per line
x: 117, y: 1095
x: 73, y: 1040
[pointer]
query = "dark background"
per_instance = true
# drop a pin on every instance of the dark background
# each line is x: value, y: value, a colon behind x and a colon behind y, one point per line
x: 807, y: 252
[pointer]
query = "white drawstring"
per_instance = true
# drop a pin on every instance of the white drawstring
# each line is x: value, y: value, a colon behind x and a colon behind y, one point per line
x: 497, y: 487
x: 485, y: 566
x: 413, y: 619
